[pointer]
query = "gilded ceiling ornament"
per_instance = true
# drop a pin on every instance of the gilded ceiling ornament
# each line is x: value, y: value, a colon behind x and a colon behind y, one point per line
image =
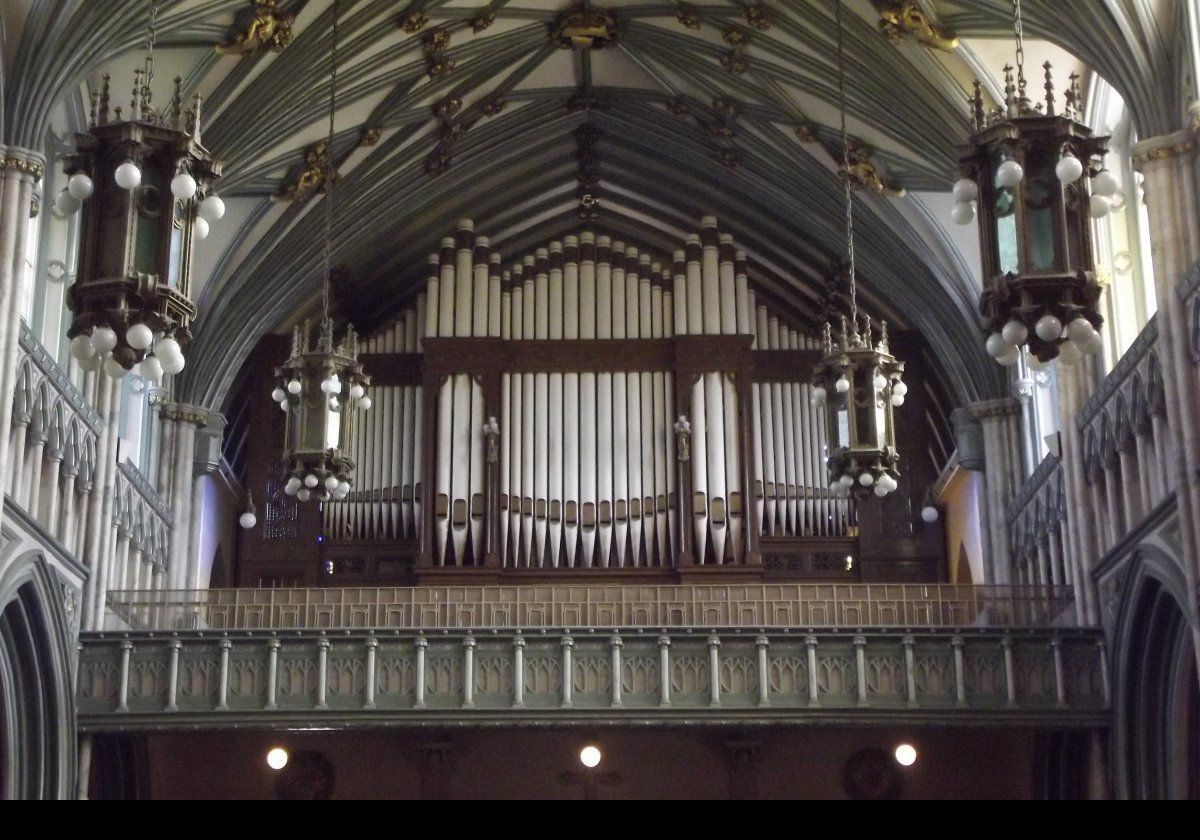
x: 447, y: 108
x: 21, y: 165
x: 588, y: 205
x: 439, y: 160
x: 863, y: 173
x: 312, y: 176
x: 584, y: 28
x: 805, y: 132
x: 895, y: 19
x: 435, y: 41
x: 687, y: 15
x: 734, y: 61
x: 679, y: 106
x: 483, y: 20
x: 735, y: 36
x: 454, y: 131
x: 493, y: 105
x: 758, y: 16
x: 729, y: 156
x: 438, y: 65
x: 587, y: 100
x: 413, y: 21
x: 263, y: 30
x: 370, y: 136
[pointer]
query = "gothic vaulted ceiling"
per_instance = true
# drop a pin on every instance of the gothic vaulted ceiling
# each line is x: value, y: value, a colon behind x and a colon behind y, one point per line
x: 663, y: 111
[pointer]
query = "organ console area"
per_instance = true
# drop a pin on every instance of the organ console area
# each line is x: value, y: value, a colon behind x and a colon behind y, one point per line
x: 595, y: 411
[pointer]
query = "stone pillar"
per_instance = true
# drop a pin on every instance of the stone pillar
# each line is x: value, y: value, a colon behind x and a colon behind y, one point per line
x: 1169, y: 165
x: 1003, y: 472
x: 100, y: 502
x: 206, y: 461
x: 19, y: 170
x: 178, y: 483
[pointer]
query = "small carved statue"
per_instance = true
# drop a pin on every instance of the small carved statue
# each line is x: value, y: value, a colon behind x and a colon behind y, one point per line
x: 312, y: 177
x: 863, y: 173
x: 265, y: 31
x: 907, y: 16
x: 683, y: 439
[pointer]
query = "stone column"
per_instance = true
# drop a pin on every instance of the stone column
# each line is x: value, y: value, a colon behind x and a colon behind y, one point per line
x: 1169, y: 165
x: 1003, y: 472
x: 19, y: 170
x: 100, y: 504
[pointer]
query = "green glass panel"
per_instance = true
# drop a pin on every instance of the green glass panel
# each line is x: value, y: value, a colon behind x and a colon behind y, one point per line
x: 1006, y: 232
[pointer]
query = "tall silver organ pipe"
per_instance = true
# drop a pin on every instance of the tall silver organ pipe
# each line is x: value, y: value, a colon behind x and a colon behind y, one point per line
x: 586, y: 472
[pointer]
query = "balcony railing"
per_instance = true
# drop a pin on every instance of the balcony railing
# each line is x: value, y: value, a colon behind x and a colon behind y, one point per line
x: 747, y: 606
x: 143, y: 515
x: 1035, y: 519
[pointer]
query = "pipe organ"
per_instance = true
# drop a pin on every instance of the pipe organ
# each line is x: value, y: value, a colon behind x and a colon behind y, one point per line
x: 589, y: 406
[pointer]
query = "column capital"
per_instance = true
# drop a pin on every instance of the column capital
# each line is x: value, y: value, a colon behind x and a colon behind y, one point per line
x: 22, y: 160
x: 1003, y: 407
x: 1165, y: 147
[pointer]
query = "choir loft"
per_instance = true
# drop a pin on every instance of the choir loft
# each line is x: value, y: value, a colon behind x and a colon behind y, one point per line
x: 448, y: 399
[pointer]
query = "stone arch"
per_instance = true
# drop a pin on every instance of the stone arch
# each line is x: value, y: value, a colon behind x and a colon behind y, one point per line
x: 1156, y: 691
x: 37, y: 701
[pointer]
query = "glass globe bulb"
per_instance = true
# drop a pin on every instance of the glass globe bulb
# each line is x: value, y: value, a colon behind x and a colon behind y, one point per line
x: 842, y: 385
x: 1014, y: 333
x: 879, y: 382
x: 881, y: 490
x: 92, y: 363
x: 1048, y: 328
x: 1009, y: 357
x: 199, y: 228
x: 247, y: 520
x: 310, y: 480
x: 1105, y: 183
x: 183, y: 186
x: 1093, y: 343
x: 343, y: 488
x: 906, y: 754
x: 128, y: 176
x: 866, y: 479
x: 279, y: 395
x: 113, y: 368
x: 328, y: 385
x: 304, y: 494
x: 152, y: 368
x: 293, y: 387
x: 929, y: 514
x: 963, y: 213
x: 356, y: 391
x: 996, y: 345
x: 82, y: 347
x: 965, y: 190
x: 277, y: 758
x: 1068, y: 169
x: 899, y: 387
x: 211, y: 209
x: 105, y: 339
x: 1098, y: 206
x: 80, y: 186
x: 589, y: 756
x: 1069, y: 353
x: 293, y: 484
x: 847, y: 480
x: 173, y: 364
x: 167, y: 347
x: 66, y: 204
x: 1080, y: 329
x: 139, y: 337
x: 331, y: 483
x: 897, y: 400
x: 364, y: 403
x: 1009, y: 174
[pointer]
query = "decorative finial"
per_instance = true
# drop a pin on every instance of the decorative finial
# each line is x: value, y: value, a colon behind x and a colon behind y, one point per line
x: 1010, y: 101
x: 177, y: 103
x: 104, y: 100
x: 1049, y: 90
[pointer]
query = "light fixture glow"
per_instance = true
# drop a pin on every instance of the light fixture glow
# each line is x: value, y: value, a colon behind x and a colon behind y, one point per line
x: 906, y: 755
x: 589, y: 756
x: 277, y: 758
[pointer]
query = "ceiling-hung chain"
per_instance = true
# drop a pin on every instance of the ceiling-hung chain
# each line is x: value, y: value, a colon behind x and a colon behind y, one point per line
x: 333, y: 66
x: 845, y: 174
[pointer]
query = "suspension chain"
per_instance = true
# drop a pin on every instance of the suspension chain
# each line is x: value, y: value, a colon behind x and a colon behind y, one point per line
x: 1019, y: 32
x: 151, y: 40
x: 853, y: 289
x: 333, y: 67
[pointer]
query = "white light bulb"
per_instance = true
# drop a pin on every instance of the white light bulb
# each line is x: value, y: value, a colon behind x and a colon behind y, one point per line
x: 183, y: 186
x: 173, y: 364
x: 331, y: 483
x: 364, y: 403
x: 311, y: 480
x: 304, y: 494
x: 1105, y: 183
x: 293, y: 484
x: 996, y: 345
x: 104, y: 339
x: 328, y: 386
x: 199, y: 228
x: 1068, y: 353
x: 152, y: 368
x: 897, y: 400
x: 847, y: 480
x: 277, y: 758
x: 1080, y: 329
x: 1093, y: 343
x: 879, y: 382
x: 113, y: 368
x: 1014, y: 333
x: 1048, y: 328
x: 167, y: 348
x: 842, y: 385
x: 929, y: 514
x: 818, y: 395
x: 80, y: 186
x: 211, y: 209
x: 283, y: 406
x: 965, y: 190
x: 343, y: 488
x: 139, y: 337
x: 66, y: 204
x: 1009, y: 174
x: 293, y: 387
x: 357, y: 391
x: 1116, y: 201
x: 589, y: 756
x: 881, y: 490
x: 128, y: 176
x: 1009, y: 357
x: 906, y: 755
x: 1098, y: 206
x: 1068, y: 169
x: 963, y: 213
x: 82, y: 347
x: 247, y: 520
x: 866, y: 479
x: 279, y: 395
x: 900, y: 387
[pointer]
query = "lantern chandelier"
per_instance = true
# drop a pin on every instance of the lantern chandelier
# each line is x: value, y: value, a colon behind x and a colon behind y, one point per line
x: 858, y: 380
x: 144, y: 183
x: 322, y: 381
x: 1024, y: 168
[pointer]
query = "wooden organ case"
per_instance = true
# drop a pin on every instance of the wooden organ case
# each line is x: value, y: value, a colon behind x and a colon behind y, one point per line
x: 589, y: 414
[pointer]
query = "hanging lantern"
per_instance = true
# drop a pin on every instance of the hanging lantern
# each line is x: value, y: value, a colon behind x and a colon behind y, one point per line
x: 139, y: 179
x: 862, y: 384
x: 320, y: 386
x: 1024, y: 166
x: 858, y: 378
